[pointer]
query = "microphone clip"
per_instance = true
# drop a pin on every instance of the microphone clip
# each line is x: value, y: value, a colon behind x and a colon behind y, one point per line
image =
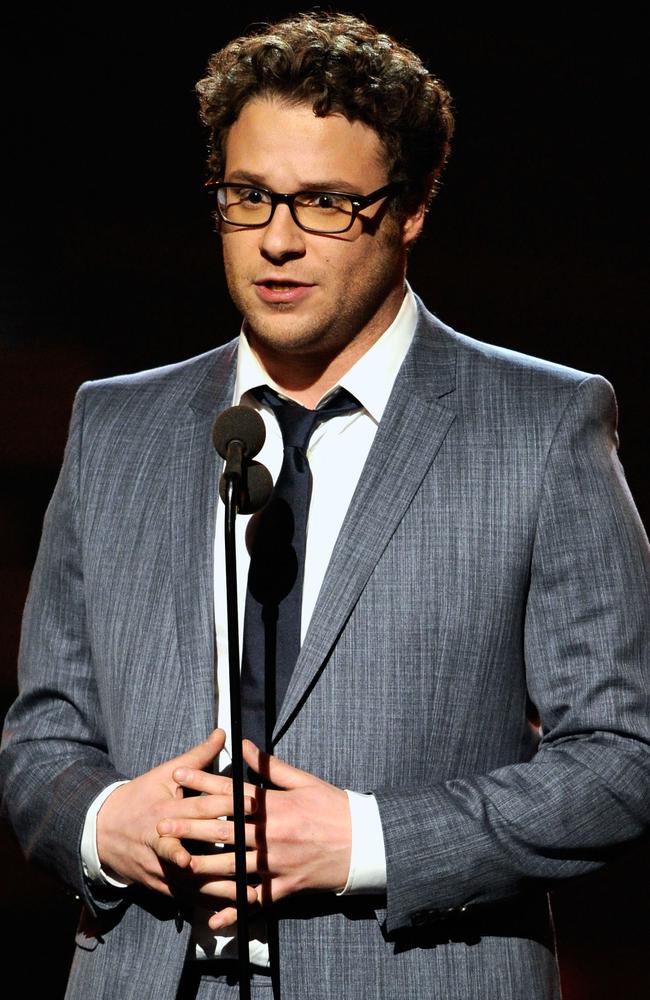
x: 238, y: 434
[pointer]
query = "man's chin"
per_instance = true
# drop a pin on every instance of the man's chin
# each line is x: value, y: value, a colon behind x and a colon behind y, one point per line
x: 284, y: 338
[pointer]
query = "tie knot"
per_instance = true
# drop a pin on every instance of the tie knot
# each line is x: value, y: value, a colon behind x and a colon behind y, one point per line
x: 296, y: 422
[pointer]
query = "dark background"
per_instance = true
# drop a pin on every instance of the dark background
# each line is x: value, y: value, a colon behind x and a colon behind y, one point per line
x: 537, y: 241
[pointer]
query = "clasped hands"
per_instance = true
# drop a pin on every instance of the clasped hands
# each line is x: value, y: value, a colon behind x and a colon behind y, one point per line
x: 298, y: 834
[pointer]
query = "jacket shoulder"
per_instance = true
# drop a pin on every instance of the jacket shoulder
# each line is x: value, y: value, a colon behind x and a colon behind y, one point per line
x: 157, y: 394
x: 488, y: 368
x: 166, y: 377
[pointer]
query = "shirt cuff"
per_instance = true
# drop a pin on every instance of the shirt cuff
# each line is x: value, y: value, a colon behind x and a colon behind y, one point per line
x: 368, y: 857
x: 89, y: 857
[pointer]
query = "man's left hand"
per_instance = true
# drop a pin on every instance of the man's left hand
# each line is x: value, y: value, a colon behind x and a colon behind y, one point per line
x: 299, y: 835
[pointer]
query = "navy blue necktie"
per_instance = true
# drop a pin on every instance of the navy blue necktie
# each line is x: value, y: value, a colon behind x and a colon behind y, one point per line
x: 274, y: 596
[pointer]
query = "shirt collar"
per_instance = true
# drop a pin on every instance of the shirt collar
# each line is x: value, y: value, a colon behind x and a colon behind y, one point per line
x: 370, y: 379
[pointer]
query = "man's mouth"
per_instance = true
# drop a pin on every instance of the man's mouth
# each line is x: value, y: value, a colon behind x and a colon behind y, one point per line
x: 282, y: 290
x: 278, y: 283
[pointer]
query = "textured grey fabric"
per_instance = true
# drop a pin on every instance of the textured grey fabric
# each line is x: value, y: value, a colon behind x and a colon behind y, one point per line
x: 491, y: 558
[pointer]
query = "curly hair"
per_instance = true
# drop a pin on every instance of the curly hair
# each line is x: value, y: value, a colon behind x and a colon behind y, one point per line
x: 339, y: 64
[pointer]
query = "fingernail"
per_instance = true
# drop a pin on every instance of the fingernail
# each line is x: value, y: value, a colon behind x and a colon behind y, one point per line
x: 165, y: 826
x: 181, y: 773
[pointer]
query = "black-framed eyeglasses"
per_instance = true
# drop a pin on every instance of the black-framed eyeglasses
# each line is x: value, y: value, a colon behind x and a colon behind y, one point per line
x: 325, y: 212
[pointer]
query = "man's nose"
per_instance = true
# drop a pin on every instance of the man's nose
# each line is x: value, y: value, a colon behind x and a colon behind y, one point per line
x: 282, y: 238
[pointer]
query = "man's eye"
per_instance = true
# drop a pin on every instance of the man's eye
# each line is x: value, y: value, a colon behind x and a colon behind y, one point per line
x: 251, y: 196
x: 325, y: 201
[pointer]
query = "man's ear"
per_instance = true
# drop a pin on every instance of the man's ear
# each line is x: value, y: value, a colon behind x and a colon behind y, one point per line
x: 414, y: 221
x: 412, y: 225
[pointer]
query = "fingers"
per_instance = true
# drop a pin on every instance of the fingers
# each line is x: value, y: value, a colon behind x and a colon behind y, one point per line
x: 227, y: 889
x: 224, y: 918
x: 197, y: 757
x: 171, y: 850
x: 203, y: 753
x: 272, y: 769
x: 211, y: 866
x: 227, y: 917
x: 211, y: 831
x: 270, y: 890
x: 209, y: 784
x: 202, y: 807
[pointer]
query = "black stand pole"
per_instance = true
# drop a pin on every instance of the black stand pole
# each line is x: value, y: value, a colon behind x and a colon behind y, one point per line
x: 231, y: 505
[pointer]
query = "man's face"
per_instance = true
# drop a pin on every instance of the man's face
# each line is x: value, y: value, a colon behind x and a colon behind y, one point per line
x: 304, y: 293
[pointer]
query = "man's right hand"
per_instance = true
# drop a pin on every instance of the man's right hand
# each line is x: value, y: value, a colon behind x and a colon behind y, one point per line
x: 128, y: 845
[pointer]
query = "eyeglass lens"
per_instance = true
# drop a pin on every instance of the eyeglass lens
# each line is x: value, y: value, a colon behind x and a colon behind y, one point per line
x: 320, y: 211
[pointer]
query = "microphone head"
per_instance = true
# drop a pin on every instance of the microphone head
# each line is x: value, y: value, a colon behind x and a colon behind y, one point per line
x: 256, y: 488
x: 239, y: 423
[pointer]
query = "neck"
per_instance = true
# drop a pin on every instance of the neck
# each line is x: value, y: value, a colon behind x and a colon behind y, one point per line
x: 306, y: 377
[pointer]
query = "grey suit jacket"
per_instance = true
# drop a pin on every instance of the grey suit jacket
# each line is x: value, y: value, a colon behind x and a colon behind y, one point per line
x: 491, y: 566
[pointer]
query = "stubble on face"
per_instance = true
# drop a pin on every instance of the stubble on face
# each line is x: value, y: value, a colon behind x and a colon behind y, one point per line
x: 354, y: 309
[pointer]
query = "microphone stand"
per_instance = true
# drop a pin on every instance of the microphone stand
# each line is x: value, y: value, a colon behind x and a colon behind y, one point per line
x: 238, y: 434
x: 231, y: 502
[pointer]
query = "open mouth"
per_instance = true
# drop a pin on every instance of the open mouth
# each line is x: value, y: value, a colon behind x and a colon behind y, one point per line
x: 283, y: 285
x: 282, y: 291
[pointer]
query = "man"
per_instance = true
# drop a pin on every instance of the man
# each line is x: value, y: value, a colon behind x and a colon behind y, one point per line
x: 473, y: 562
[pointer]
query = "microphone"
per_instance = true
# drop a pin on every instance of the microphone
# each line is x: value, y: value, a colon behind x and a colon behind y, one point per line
x: 238, y: 434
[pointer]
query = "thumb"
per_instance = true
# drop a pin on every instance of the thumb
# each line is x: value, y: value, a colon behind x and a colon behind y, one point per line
x: 274, y: 770
x: 203, y: 753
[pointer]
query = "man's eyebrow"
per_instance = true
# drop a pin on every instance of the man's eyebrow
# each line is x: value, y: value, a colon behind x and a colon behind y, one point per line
x: 331, y: 184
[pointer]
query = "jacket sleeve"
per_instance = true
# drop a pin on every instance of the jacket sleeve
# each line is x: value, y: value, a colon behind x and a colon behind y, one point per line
x: 585, y: 795
x: 54, y: 760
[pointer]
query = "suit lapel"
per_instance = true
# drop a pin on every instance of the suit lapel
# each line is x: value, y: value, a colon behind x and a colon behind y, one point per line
x: 193, y: 484
x: 410, y: 434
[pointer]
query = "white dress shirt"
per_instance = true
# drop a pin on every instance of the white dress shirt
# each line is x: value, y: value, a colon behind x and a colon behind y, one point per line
x: 337, y: 452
